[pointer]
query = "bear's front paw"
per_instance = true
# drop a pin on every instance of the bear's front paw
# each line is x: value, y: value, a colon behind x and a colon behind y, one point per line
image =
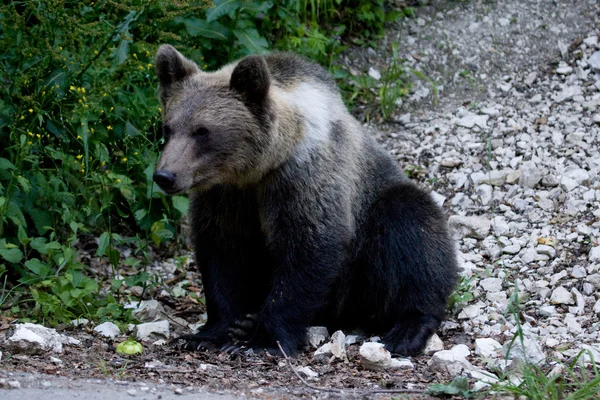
x: 244, y: 330
x: 205, y: 339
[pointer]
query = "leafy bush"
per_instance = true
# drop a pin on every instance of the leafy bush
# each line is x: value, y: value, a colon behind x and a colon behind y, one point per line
x: 79, y: 129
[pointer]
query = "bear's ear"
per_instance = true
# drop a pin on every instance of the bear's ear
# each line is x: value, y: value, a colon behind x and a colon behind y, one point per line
x: 171, y: 67
x: 251, y: 78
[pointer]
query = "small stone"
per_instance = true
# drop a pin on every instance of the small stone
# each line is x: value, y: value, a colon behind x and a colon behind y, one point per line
x: 132, y: 392
x: 529, y: 350
x: 178, y: 391
x: 568, y: 184
x: 531, y: 77
x: 531, y: 175
x: 31, y: 338
x: 594, y: 61
x: 452, y: 362
x: 487, y: 347
x: 374, y: 73
x: 433, y: 344
x: 471, y: 226
x: 591, y: 41
x: 144, y: 331
x: 471, y: 120
x: 307, y: 372
x: 317, y: 335
x: 572, y: 324
x: 547, y: 311
x: 567, y: 93
x: 503, y: 21
x: 108, y: 329
x: 323, y: 353
x: 597, y: 307
x: 338, y: 345
x: 578, y: 272
x: 594, y: 256
x: 374, y: 356
x: 546, y: 250
x: 470, y: 312
x: 491, y: 284
x: 560, y: 295
x: 564, y: 70
x: 148, y: 310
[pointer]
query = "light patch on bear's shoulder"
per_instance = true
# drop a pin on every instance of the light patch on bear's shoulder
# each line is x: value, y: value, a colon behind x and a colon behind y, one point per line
x: 318, y: 107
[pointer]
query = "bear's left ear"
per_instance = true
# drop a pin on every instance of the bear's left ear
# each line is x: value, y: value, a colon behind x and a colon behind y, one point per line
x: 171, y: 67
x: 251, y: 78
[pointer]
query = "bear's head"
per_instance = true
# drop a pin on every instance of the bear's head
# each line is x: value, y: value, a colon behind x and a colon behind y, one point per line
x: 216, y: 125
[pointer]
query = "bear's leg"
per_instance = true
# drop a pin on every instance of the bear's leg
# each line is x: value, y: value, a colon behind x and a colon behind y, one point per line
x: 235, y: 277
x: 408, y: 267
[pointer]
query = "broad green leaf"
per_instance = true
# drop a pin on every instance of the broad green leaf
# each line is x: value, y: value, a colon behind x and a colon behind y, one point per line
x: 181, y: 204
x: 11, y: 255
x: 2, y: 201
x: 37, y: 267
x: 113, y: 256
x: 6, y: 164
x: 140, y: 214
x: 199, y: 27
x: 22, y: 235
x: 221, y: 8
x: 103, y: 243
x: 25, y: 184
x: 251, y: 40
x: 39, y: 244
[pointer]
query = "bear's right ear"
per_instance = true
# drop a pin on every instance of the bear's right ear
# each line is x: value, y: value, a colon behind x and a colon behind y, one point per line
x: 171, y: 67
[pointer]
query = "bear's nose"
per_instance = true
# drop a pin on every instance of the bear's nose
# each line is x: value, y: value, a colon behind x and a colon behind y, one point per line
x: 164, y: 179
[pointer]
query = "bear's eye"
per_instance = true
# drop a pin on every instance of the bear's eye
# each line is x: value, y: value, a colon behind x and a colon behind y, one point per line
x: 201, y: 132
x: 166, y: 132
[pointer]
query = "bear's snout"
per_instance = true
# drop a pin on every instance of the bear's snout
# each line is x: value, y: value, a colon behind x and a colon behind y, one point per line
x: 165, y: 179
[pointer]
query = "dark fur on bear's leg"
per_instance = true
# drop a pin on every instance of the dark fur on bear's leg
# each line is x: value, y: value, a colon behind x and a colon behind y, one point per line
x: 409, y: 267
x: 410, y: 336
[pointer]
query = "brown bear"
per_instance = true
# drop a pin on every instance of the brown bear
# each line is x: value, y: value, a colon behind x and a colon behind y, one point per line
x: 298, y: 216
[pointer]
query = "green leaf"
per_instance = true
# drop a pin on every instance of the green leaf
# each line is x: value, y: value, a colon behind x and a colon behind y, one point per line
x: 39, y: 244
x: 181, y: 204
x: 103, y: 243
x: 2, y: 201
x: 22, y: 235
x: 37, y: 267
x: 113, y: 256
x: 199, y: 27
x: 25, y: 184
x: 11, y: 255
x: 221, y: 8
x: 6, y: 164
x: 458, y: 387
x: 251, y: 40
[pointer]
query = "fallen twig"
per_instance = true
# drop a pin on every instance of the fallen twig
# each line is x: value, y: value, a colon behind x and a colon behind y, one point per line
x: 335, y: 390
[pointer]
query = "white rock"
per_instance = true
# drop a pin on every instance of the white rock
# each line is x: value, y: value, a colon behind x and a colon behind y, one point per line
x: 375, y: 357
x: 433, y: 344
x: 594, y: 256
x: 491, y: 111
x: 143, y: 331
x: 452, y: 362
x: 108, y: 329
x: 546, y: 250
x: 568, y: 184
x: 148, y: 310
x: 31, y: 338
x: 472, y: 226
x: 591, y: 41
x: 547, y: 311
x: 578, y: 272
x: 579, y: 175
x: 503, y: 21
x: 567, y: 93
x: 307, y: 372
x: 597, y: 307
x: 529, y: 350
x: 564, y: 70
x: 470, y: 312
x: 572, y: 324
x: 317, y: 335
x: 470, y: 120
x: 560, y: 295
x: 338, y: 345
x: 491, y: 284
x: 531, y: 77
x: 487, y: 347
x: 323, y: 353
x: 531, y: 175
x: 594, y: 61
x: 374, y: 73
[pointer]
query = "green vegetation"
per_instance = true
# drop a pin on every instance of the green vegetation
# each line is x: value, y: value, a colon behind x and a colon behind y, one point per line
x: 79, y: 132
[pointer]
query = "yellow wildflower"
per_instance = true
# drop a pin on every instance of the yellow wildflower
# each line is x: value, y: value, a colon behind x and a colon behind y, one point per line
x: 29, y: 133
x: 135, y: 154
x: 83, y: 90
x: 22, y: 117
x: 82, y: 170
x: 118, y: 181
x: 149, y: 66
x: 112, y: 108
x: 134, y: 55
x: 30, y: 142
x: 141, y: 67
x: 79, y: 157
x: 43, y: 93
x: 31, y: 110
x: 37, y: 135
x: 109, y: 128
x: 124, y: 159
x: 71, y: 87
x: 78, y: 137
x: 96, y: 52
